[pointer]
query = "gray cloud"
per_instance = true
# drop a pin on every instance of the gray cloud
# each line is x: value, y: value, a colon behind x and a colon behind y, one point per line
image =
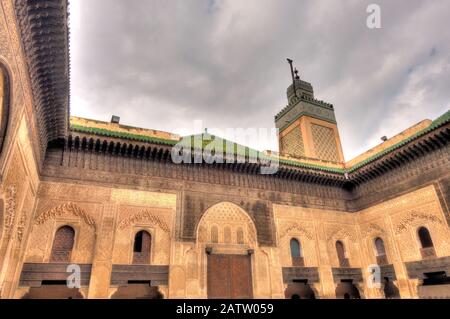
x: 163, y: 64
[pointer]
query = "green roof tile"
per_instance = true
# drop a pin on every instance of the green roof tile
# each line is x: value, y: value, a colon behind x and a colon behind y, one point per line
x: 129, y: 136
x: 442, y: 120
x: 241, y: 150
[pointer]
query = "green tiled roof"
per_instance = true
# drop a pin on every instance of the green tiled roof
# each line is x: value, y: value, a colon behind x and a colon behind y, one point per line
x: 313, y: 166
x: 128, y: 136
x: 442, y: 120
x: 210, y: 141
x: 241, y: 150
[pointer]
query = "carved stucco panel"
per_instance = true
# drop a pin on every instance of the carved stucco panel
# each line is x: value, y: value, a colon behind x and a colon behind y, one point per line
x: 157, y: 221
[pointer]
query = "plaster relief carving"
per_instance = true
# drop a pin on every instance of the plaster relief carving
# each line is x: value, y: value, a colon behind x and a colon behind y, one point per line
x: 414, y: 218
x: 10, y: 208
x: 233, y: 225
x: 61, y: 210
x: 144, y: 216
x: 295, y: 227
x: 371, y: 229
x: 340, y: 232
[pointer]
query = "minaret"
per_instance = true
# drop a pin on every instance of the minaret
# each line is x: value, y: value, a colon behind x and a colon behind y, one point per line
x: 307, y: 127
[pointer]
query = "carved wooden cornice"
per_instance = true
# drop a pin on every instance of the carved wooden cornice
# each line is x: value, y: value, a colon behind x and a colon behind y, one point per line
x: 44, y: 36
x: 432, y: 141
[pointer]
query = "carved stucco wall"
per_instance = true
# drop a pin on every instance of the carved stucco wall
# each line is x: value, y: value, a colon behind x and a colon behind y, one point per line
x: 400, y: 219
x: 395, y: 221
x: 324, y: 142
x: 188, y: 272
x: 292, y: 143
x: 158, y: 222
x: 51, y: 215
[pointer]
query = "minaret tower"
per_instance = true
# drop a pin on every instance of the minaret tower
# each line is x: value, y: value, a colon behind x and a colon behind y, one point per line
x: 307, y: 127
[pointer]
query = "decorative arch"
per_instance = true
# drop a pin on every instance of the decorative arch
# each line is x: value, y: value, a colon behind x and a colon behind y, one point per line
x: 416, y: 219
x: 4, y: 103
x: 68, y: 208
x: 144, y: 216
x: 296, y: 228
x: 229, y: 218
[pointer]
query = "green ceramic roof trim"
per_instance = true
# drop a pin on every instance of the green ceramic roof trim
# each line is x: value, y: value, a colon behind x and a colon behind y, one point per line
x: 295, y: 101
x: 215, y: 141
x: 312, y: 166
x: 238, y: 150
x: 442, y: 120
x: 129, y: 136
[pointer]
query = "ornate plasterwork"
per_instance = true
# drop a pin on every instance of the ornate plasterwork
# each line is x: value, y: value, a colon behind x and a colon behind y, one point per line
x: 226, y: 217
x: 340, y: 232
x: 21, y: 225
x: 144, y: 216
x: 61, y: 210
x: 413, y: 218
x: 295, y: 227
x: 371, y: 229
x: 10, y: 215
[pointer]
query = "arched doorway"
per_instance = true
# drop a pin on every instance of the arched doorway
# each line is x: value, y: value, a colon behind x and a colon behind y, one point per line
x: 390, y: 290
x: 347, y: 290
x: 137, y: 291
x: 299, y: 290
x: 227, y: 235
x: 53, y: 290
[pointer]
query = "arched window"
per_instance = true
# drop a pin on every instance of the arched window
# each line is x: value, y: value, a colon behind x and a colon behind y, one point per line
x: 63, y: 244
x: 214, y: 234
x: 379, y: 247
x: 141, y: 247
x: 425, y: 238
x: 380, y: 252
x: 240, y: 236
x: 4, y: 104
x: 340, y: 250
x: 296, y: 253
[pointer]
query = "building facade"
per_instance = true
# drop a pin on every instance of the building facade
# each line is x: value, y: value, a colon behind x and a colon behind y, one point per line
x: 107, y: 204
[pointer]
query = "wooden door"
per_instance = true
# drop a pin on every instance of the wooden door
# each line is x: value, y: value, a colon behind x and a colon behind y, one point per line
x: 229, y: 276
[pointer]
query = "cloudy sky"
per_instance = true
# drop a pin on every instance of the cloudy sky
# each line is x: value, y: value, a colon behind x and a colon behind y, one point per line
x: 164, y: 64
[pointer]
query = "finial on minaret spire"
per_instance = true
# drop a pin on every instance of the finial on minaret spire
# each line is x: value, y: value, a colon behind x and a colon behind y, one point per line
x: 293, y: 76
x: 297, y: 77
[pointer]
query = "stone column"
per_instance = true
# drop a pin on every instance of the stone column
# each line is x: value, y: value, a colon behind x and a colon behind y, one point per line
x: 328, y: 287
x: 415, y: 284
x: 327, y: 282
x: 102, y: 264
